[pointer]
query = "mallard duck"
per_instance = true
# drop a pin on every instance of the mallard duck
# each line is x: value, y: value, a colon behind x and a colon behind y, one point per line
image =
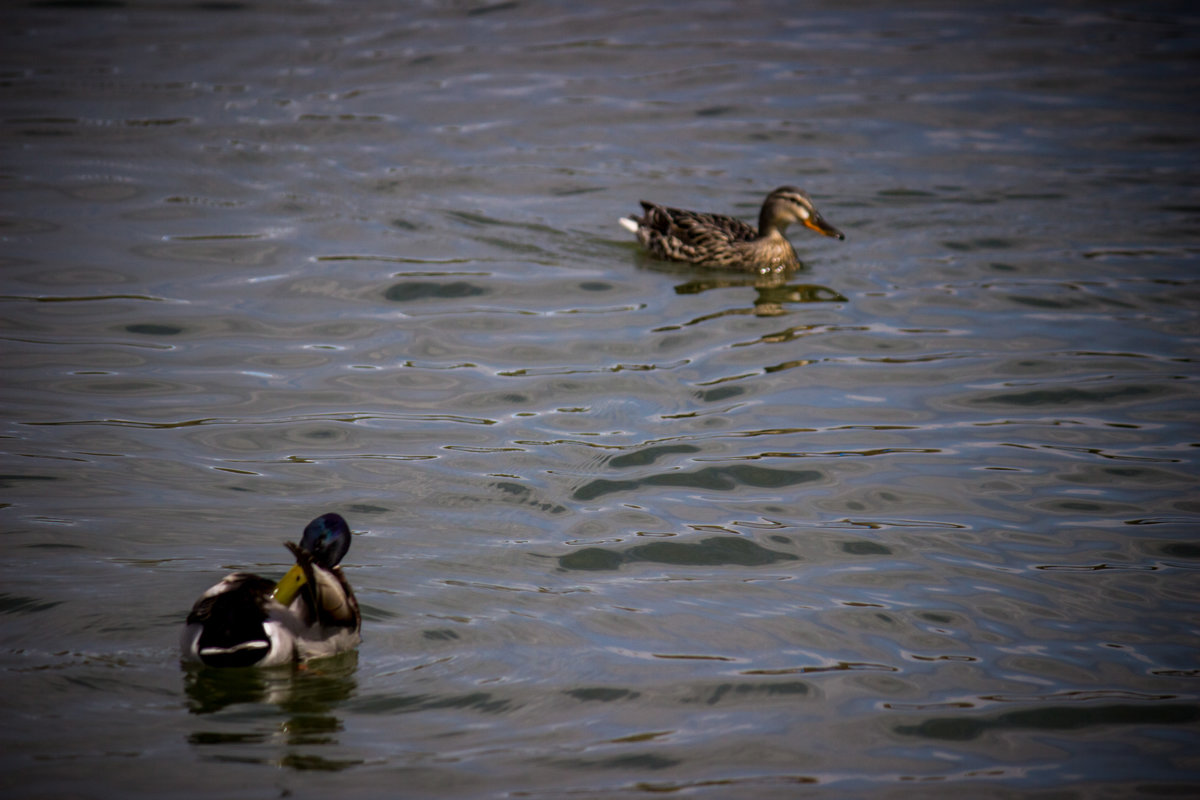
x: 247, y: 621
x: 715, y: 240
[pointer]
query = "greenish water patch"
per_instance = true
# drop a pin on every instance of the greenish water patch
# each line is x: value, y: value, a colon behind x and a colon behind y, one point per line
x: 713, y: 551
x: 717, y: 479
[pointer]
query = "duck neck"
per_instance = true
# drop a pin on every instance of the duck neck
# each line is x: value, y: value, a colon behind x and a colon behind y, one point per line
x: 770, y: 231
x: 769, y: 225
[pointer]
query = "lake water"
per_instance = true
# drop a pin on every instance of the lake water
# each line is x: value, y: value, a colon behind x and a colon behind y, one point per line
x: 919, y: 520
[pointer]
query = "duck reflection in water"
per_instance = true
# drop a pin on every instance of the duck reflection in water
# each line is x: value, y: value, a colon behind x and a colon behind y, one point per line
x: 307, y: 695
x: 314, y: 688
x: 773, y: 293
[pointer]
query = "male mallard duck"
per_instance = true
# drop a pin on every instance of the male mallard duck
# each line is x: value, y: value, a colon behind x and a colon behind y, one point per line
x: 715, y: 240
x: 248, y: 621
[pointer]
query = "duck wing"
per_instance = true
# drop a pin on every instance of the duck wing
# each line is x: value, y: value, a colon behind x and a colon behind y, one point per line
x: 227, y: 626
x: 692, y: 225
x: 682, y: 235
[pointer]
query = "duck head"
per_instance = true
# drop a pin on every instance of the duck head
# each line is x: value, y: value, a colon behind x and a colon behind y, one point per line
x: 786, y: 205
x: 326, y: 539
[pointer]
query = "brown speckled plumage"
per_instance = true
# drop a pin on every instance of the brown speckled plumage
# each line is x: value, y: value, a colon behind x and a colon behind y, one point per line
x: 715, y: 240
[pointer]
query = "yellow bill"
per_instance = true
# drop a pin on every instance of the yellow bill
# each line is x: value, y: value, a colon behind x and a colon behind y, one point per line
x: 285, y: 591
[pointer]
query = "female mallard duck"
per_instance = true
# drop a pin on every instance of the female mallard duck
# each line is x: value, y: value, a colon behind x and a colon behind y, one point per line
x: 715, y: 240
x: 248, y: 621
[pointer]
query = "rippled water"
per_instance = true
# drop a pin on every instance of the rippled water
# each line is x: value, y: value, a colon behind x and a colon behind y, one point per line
x: 920, y: 519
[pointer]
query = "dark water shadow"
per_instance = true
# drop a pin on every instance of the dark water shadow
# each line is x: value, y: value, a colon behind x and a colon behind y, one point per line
x: 713, y: 551
x: 410, y: 291
x: 1054, y: 718
x: 722, y: 478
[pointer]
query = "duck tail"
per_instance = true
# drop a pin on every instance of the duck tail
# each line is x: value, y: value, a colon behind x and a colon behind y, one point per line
x: 629, y: 223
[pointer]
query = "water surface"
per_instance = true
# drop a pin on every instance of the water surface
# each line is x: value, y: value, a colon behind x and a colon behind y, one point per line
x: 920, y: 516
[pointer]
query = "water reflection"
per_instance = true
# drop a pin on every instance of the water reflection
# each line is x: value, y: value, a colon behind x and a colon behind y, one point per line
x: 310, y: 688
x: 773, y: 293
x: 308, y: 696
